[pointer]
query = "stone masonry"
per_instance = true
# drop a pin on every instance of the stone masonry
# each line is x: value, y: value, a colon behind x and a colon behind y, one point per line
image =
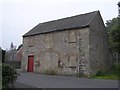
x: 68, y: 52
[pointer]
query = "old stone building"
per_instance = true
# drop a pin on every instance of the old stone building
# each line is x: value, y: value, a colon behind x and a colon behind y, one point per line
x: 70, y: 46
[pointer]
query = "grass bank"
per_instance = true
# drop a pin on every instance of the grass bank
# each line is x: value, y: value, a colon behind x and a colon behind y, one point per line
x: 113, y: 73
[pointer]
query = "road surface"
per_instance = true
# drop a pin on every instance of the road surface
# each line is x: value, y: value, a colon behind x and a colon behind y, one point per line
x: 34, y: 80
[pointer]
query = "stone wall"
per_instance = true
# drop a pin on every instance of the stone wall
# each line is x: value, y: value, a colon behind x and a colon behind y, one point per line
x: 64, y: 52
x: 69, y: 52
x: 99, y: 54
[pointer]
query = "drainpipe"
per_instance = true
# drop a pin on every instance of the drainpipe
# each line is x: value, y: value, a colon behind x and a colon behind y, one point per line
x: 79, y: 56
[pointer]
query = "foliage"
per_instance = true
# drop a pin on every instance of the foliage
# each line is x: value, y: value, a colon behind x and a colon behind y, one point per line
x: 15, y: 64
x: 9, y: 75
x: 114, y: 40
x: 3, y: 56
x: 0, y: 75
x: 112, y: 77
x: 19, y: 46
x: 113, y: 30
x: 12, y: 47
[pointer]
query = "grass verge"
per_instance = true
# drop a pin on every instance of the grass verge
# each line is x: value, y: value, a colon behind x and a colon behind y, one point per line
x: 111, y: 77
x: 113, y: 73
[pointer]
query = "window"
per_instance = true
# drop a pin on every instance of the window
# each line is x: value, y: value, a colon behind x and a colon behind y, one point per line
x: 31, y: 41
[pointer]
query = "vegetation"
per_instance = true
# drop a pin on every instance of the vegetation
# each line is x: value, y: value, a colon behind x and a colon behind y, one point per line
x: 114, y: 34
x: 12, y: 47
x: 113, y: 73
x: 0, y: 75
x: 3, y: 56
x: 9, y: 75
x: 14, y: 64
x: 113, y: 30
x: 19, y: 46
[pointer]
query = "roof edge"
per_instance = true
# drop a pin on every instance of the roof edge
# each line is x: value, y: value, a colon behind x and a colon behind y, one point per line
x: 94, y: 16
x: 77, y: 27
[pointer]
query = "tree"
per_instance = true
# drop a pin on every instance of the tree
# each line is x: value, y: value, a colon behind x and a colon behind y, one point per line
x: 19, y: 46
x: 113, y: 30
x: 3, y: 56
x: 114, y: 35
x: 12, y: 47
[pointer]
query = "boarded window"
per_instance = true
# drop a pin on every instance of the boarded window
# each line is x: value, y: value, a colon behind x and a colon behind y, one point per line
x: 48, y: 41
x: 72, y: 37
x: 31, y: 41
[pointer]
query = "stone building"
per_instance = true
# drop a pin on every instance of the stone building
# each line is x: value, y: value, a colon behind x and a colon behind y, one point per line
x: 70, y: 46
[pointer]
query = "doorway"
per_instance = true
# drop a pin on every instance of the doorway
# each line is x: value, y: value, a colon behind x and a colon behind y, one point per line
x: 30, y: 63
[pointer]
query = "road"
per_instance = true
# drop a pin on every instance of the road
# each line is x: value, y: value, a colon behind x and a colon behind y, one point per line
x: 49, y: 81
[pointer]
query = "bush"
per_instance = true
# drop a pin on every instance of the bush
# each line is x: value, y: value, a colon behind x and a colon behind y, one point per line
x: 9, y: 76
x: 15, y: 64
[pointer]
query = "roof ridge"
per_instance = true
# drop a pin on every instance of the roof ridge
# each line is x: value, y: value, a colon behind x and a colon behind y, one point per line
x: 68, y: 17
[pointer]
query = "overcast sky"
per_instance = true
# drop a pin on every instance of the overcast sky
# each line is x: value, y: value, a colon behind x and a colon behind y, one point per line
x: 19, y: 16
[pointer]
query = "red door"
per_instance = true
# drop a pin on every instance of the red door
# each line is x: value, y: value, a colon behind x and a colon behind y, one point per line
x: 30, y: 63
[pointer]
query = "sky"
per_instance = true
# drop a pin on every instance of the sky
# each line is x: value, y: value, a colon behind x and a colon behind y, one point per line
x: 19, y: 16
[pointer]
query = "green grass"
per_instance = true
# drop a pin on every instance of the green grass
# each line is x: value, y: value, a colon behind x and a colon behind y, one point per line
x: 112, y: 77
x: 113, y: 73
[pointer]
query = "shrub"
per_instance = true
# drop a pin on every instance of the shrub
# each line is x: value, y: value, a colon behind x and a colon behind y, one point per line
x: 15, y: 64
x: 9, y: 75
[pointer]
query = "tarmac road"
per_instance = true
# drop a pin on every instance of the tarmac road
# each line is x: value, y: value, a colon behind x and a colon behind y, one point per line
x: 33, y: 80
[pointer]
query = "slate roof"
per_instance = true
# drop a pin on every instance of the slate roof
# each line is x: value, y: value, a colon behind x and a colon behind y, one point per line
x: 78, y: 21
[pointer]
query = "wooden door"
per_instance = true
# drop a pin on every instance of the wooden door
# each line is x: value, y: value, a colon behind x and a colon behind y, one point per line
x: 30, y: 63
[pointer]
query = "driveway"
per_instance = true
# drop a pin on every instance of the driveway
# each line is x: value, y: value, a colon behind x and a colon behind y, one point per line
x: 34, y: 80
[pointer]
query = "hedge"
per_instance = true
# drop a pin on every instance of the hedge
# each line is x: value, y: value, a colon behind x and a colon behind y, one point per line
x: 9, y: 76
